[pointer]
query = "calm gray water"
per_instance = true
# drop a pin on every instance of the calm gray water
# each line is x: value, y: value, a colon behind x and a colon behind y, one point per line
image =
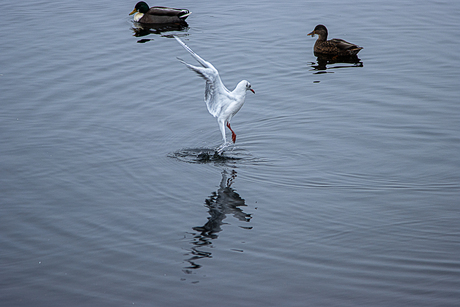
x: 343, y: 188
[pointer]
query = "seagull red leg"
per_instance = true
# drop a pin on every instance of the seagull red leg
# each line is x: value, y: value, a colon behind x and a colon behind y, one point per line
x: 233, y: 133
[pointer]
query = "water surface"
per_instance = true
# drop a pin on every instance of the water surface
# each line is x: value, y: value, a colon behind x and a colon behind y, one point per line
x: 342, y: 189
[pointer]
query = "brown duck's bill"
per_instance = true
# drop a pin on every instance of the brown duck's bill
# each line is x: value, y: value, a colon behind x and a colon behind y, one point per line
x: 312, y: 33
x: 134, y: 11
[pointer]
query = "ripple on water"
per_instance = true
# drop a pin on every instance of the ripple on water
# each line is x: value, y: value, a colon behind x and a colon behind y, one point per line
x: 211, y: 155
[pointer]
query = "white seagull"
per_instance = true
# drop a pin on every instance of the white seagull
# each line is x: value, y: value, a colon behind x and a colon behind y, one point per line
x: 222, y: 103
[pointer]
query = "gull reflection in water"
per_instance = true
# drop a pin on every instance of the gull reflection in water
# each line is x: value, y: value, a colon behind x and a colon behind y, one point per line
x: 220, y: 203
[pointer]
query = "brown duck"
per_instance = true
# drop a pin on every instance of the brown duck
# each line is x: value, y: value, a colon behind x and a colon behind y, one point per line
x: 335, y: 46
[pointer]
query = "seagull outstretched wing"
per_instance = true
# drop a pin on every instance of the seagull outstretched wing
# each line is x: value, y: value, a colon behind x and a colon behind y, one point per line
x: 214, y: 85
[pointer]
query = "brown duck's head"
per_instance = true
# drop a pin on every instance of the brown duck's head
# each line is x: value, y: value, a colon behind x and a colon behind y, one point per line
x: 320, y: 30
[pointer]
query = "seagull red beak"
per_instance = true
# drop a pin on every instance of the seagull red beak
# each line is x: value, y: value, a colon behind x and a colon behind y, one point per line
x: 252, y: 90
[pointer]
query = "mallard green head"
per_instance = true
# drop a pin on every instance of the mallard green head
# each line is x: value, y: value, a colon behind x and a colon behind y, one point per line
x: 141, y: 7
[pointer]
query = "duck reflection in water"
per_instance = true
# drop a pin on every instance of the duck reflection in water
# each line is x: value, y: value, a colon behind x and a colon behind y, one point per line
x: 220, y: 203
x: 146, y: 29
x: 323, y: 60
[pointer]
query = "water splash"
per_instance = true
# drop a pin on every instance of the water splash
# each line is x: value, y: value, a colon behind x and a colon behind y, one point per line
x: 203, y: 155
x: 230, y: 157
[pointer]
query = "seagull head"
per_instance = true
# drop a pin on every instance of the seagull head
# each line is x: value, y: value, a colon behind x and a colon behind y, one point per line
x: 248, y: 87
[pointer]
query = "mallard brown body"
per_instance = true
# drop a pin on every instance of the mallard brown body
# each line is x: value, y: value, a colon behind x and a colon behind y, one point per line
x: 158, y: 14
x: 335, y: 46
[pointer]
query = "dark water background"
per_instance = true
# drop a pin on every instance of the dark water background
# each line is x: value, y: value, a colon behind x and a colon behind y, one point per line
x: 343, y: 188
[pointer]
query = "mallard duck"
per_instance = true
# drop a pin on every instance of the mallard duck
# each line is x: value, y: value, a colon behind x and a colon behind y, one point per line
x: 335, y: 46
x: 158, y: 14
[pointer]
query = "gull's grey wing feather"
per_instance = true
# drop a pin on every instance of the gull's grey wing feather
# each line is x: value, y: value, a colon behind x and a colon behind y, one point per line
x: 214, y: 84
x: 196, y: 56
x: 209, y: 93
